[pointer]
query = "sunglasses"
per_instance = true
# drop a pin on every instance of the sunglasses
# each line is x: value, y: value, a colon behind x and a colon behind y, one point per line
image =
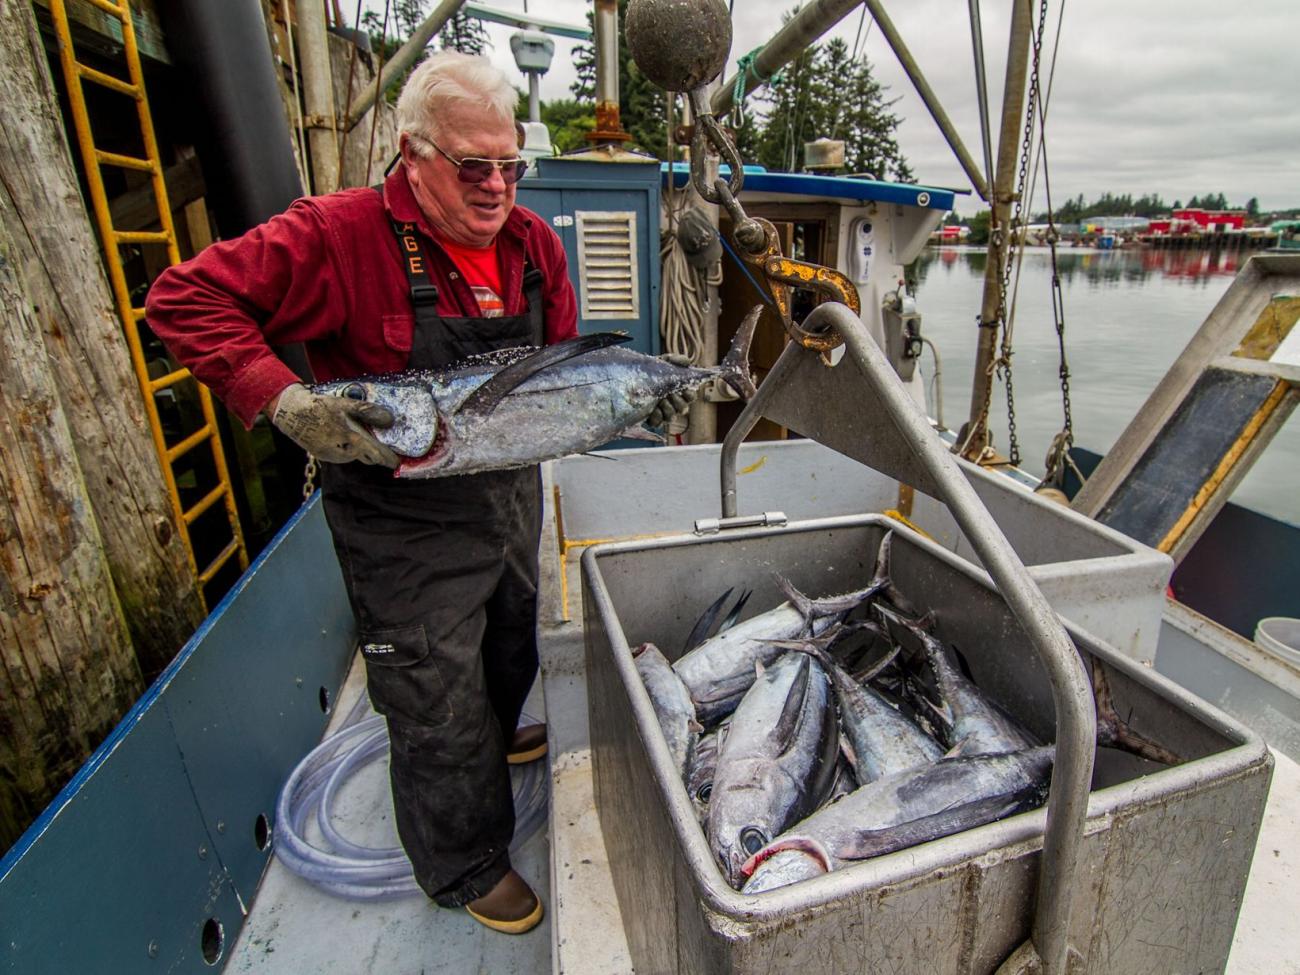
x: 475, y: 170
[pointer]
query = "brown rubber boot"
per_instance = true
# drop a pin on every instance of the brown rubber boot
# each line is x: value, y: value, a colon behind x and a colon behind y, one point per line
x: 510, y: 907
x: 528, y: 744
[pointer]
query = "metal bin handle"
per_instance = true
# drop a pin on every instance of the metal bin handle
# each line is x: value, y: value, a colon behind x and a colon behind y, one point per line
x: 915, y: 447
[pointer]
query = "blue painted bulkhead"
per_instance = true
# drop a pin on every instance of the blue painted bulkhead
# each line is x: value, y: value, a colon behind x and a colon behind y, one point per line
x: 148, y: 858
x: 564, y: 190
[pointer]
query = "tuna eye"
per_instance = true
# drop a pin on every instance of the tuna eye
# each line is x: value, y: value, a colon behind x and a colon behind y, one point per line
x: 355, y: 391
x: 704, y: 791
x: 752, y: 839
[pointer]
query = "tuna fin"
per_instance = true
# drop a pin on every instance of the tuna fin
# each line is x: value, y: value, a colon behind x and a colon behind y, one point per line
x: 869, y: 672
x: 850, y: 756
x: 797, y: 599
x: 703, y: 627
x: 638, y: 432
x: 734, y: 615
x: 488, y: 396
x: 814, y: 609
x: 787, y: 724
x: 735, y: 367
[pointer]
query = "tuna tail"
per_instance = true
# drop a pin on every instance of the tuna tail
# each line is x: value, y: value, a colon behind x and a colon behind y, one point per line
x: 735, y: 367
x: 703, y: 627
x: 815, y: 609
x: 1114, y: 732
x: 884, y: 580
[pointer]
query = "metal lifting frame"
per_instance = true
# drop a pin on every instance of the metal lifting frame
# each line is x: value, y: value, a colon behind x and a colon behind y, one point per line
x: 75, y: 74
x: 827, y: 405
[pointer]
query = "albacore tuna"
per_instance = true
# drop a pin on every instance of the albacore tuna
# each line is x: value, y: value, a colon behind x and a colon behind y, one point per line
x: 523, y: 406
x: 902, y: 810
x: 777, y: 763
x: 671, y: 702
x: 720, y: 670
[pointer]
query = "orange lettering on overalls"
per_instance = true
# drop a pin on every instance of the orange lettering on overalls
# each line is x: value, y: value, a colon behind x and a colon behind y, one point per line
x: 416, y: 264
x: 410, y: 244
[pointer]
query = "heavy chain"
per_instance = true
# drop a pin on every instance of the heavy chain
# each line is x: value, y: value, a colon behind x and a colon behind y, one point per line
x: 309, y: 478
x: 1003, y: 362
x: 757, y: 240
x: 1058, y: 454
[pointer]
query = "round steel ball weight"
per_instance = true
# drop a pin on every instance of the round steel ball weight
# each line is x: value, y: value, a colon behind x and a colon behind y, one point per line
x: 678, y: 44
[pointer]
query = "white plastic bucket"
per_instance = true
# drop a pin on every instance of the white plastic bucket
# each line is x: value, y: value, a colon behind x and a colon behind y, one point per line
x: 1280, y: 636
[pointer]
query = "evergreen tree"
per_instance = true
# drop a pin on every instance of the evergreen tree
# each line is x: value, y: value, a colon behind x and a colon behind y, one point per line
x: 408, y: 15
x: 826, y: 93
x: 465, y: 34
x: 786, y: 101
x: 980, y: 225
x: 461, y: 33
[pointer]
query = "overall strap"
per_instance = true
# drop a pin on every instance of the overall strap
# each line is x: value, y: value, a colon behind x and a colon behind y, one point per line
x: 415, y: 262
x: 532, y: 289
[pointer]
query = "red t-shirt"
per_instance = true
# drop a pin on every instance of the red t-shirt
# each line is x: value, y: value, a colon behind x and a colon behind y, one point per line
x: 482, y: 273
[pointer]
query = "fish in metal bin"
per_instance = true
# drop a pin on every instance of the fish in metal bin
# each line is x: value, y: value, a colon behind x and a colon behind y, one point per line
x: 778, y: 762
x: 672, y: 704
x: 720, y: 670
x: 901, y: 810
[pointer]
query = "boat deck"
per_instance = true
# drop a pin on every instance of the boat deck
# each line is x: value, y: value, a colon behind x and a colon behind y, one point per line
x: 293, y: 927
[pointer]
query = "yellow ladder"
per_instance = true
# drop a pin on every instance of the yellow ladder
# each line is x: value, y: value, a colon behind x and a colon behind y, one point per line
x: 76, y: 75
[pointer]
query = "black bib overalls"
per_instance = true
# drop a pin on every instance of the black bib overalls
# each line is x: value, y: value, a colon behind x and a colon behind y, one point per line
x: 442, y: 576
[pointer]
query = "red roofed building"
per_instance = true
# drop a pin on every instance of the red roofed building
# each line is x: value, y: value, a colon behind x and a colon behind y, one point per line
x: 1194, y: 219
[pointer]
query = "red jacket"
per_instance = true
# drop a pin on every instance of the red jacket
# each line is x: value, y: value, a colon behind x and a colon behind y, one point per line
x: 327, y: 272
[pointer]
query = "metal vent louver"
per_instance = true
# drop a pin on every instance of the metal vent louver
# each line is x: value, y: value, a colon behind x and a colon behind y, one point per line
x: 607, y: 264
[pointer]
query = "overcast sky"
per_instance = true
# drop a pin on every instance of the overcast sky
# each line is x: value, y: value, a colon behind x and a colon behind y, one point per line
x: 1176, y: 97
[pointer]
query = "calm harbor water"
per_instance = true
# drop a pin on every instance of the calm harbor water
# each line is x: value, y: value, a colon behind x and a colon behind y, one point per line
x: 1128, y: 315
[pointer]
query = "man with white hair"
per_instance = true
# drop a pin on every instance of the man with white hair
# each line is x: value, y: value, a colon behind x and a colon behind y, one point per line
x: 442, y: 574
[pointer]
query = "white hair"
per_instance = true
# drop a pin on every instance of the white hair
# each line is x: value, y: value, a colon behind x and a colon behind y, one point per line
x: 446, y: 79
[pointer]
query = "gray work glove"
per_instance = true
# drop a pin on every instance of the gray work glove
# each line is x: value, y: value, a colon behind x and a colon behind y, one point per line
x: 329, y: 427
x: 673, y: 403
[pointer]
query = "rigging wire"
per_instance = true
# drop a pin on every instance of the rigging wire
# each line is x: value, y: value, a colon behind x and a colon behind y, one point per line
x: 300, y: 157
x: 341, y: 137
x: 1011, y: 277
x: 379, y: 72
x: 858, y: 36
x: 1058, y: 455
x: 683, y: 289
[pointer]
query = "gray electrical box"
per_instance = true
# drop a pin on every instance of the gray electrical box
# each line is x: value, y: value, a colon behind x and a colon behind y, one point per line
x: 532, y: 50
x: 902, y: 323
